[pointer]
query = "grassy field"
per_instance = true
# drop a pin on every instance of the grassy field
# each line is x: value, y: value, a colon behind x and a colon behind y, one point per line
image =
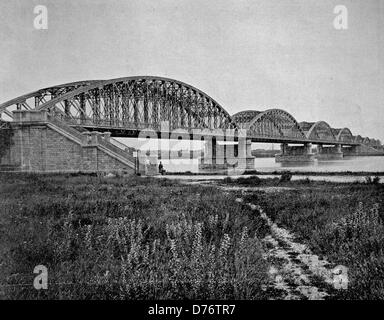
x: 127, y: 238
x: 343, y: 222
x: 143, y: 238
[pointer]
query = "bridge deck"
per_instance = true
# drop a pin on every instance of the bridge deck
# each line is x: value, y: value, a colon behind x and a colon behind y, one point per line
x: 123, y: 132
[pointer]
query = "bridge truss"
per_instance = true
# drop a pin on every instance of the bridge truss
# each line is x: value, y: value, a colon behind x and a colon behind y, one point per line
x: 125, y: 106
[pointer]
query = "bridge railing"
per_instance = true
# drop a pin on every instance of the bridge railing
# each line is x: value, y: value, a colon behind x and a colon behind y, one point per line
x: 118, y: 144
x: 62, y: 125
x: 122, y: 146
x: 125, y: 153
x: 113, y: 124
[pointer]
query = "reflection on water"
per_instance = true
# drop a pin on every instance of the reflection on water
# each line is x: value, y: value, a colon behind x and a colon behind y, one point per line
x: 353, y: 164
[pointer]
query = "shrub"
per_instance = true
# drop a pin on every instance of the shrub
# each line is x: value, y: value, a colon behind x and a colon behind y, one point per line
x: 286, y: 176
x: 376, y: 180
x: 250, y: 181
x: 370, y: 180
x: 228, y: 180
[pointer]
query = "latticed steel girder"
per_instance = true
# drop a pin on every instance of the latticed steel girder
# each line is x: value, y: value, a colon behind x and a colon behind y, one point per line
x: 277, y: 123
x: 358, y: 139
x: 243, y: 118
x: 34, y: 99
x: 136, y: 103
x: 376, y: 143
x: 320, y: 130
x: 373, y: 143
x: 343, y: 135
x: 272, y: 123
x: 367, y: 141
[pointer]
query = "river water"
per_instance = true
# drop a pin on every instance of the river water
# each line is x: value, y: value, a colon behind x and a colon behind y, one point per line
x: 353, y: 164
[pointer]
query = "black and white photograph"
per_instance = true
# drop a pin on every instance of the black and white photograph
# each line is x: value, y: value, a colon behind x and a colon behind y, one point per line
x: 192, y: 155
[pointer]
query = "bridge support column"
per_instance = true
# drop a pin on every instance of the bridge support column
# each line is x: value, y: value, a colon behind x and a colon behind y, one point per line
x: 216, y: 156
x: 329, y: 153
x: 295, y: 153
x: 245, y: 158
x: 210, y: 151
x: 220, y: 153
x: 353, y: 151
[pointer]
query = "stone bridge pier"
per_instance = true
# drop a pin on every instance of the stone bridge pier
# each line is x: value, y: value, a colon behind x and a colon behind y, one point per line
x: 295, y: 153
x: 224, y: 155
x: 329, y: 153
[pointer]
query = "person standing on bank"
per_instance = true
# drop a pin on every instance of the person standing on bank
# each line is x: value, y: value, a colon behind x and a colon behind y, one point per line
x: 161, y: 168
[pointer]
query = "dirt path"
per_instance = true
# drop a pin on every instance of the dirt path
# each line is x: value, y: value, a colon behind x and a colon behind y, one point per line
x: 295, y: 272
x: 237, y: 188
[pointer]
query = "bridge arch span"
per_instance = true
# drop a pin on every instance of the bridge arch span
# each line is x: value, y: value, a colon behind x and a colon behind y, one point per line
x: 243, y: 118
x: 141, y: 102
x: 367, y: 141
x: 373, y: 143
x: 33, y: 99
x: 344, y: 135
x: 320, y: 130
x: 275, y: 123
x: 358, y: 139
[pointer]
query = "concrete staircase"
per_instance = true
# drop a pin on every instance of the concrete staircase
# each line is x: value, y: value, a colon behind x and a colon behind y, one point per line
x: 103, y: 141
x: 42, y: 142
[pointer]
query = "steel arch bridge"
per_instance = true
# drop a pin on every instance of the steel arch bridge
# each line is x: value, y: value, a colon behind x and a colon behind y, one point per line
x: 125, y: 106
x: 128, y: 104
x: 34, y: 99
x: 272, y: 125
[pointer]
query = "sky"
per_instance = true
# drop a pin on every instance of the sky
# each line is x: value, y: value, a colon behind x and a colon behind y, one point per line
x: 245, y: 54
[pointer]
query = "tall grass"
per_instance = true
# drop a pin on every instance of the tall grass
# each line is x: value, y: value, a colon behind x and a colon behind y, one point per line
x: 133, y: 238
x: 343, y: 222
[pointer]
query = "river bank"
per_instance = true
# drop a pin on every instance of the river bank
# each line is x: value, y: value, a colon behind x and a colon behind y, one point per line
x: 155, y: 238
x: 279, y: 172
x: 342, y: 178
